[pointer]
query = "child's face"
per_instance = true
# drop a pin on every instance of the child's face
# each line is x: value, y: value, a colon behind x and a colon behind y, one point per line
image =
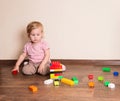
x: 36, y: 35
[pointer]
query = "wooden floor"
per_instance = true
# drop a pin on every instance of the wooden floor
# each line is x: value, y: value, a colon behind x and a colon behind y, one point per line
x: 15, y: 88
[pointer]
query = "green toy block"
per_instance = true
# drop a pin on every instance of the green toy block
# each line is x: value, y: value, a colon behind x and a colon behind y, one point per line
x: 106, y: 83
x: 106, y: 69
x: 76, y: 81
x: 60, y: 77
x: 100, y: 78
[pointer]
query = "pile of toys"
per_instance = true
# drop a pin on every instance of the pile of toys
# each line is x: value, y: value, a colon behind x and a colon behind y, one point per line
x: 55, y: 70
x: 56, y: 76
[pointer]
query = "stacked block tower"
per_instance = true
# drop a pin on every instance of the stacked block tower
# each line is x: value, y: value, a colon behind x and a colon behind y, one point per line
x: 55, y: 70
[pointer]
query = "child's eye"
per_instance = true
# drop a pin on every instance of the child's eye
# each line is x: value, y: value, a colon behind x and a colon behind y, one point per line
x: 38, y: 34
x: 33, y: 34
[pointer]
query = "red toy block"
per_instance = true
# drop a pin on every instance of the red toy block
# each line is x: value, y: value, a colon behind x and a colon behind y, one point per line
x: 56, y: 65
x: 90, y: 76
x: 58, y: 74
x: 15, y: 72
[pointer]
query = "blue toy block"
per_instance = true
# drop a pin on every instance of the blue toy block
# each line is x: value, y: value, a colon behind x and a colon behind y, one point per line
x: 115, y: 73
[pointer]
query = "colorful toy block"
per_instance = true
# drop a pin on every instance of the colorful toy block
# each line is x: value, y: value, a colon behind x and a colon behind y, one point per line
x: 56, y: 66
x: 115, y: 73
x: 106, y: 83
x: 90, y: 77
x: 91, y: 84
x: 60, y: 77
x: 48, y: 81
x: 15, y: 72
x: 106, y: 69
x: 67, y: 81
x: 76, y: 81
x: 33, y: 88
x: 56, y: 82
x: 55, y: 70
x: 55, y: 75
x: 100, y: 78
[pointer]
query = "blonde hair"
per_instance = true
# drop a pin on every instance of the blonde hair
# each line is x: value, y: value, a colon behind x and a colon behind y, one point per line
x: 33, y: 25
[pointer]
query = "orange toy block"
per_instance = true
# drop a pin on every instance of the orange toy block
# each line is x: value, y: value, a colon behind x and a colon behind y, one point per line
x: 91, y: 84
x: 33, y: 88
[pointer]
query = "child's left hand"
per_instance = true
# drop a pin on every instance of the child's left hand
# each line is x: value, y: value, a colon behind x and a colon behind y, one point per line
x: 41, y: 68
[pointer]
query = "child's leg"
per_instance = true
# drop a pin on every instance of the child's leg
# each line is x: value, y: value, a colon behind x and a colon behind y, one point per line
x: 46, y: 69
x: 29, y: 69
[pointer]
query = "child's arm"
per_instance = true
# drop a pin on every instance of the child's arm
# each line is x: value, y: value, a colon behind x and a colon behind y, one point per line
x: 45, y: 60
x: 47, y: 56
x: 19, y: 61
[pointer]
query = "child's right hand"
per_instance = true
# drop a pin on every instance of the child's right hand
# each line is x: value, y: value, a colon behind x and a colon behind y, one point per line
x: 16, y: 68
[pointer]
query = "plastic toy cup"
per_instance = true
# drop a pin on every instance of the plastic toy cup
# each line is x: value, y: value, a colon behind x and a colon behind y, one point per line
x: 15, y: 72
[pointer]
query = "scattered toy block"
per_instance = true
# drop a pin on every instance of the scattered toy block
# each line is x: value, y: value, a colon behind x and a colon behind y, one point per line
x: 91, y: 84
x: 106, y: 69
x: 90, y: 77
x: 67, y: 81
x: 76, y: 81
x: 33, y: 88
x: 106, y: 83
x: 48, y: 81
x: 56, y: 82
x: 100, y: 78
x: 15, y: 72
x: 115, y: 73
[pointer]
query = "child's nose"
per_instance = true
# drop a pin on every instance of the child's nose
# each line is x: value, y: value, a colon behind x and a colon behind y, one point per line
x: 35, y: 36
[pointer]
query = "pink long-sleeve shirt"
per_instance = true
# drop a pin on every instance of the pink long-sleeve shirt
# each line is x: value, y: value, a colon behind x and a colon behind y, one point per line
x: 36, y: 52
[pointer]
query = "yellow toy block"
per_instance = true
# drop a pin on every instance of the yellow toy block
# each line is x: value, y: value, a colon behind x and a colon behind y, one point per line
x: 52, y: 76
x: 67, y: 81
x: 56, y: 82
x: 33, y: 88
